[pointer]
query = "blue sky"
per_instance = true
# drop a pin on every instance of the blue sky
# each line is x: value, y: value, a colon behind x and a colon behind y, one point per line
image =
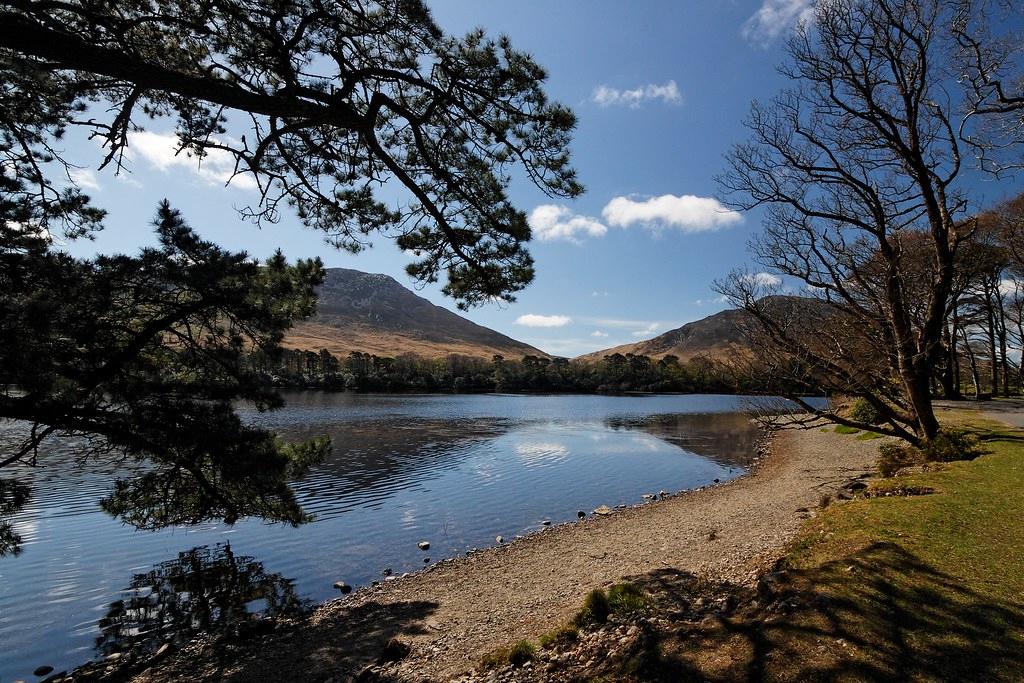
x: 660, y: 89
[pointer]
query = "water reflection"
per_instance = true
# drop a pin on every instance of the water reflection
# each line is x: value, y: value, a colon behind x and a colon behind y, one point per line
x: 205, y: 590
x: 376, y: 459
x: 13, y: 497
x: 728, y: 439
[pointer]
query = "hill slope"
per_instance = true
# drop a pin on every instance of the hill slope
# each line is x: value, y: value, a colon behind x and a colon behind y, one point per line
x: 718, y: 336
x: 375, y: 314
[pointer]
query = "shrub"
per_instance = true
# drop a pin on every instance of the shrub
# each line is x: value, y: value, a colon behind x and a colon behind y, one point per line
x: 892, y: 457
x: 595, y: 609
x: 952, y: 444
x: 624, y: 598
x: 862, y: 411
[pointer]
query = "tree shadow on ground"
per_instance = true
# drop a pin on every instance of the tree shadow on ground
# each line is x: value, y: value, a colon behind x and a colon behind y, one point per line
x: 347, y: 641
x: 879, y: 614
x: 315, y: 648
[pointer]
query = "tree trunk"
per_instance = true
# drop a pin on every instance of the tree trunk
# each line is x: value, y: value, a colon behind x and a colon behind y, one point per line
x: 950, y: 377
x: 993, y: 357
x: 975, y: 377
x: 917, y: 382
x: 1001, y: 330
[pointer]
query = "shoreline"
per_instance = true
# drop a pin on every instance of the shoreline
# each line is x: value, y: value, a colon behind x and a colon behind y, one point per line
x: 451, y: 613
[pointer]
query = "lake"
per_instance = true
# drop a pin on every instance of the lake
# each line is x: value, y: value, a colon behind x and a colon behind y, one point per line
x: 455, y: 471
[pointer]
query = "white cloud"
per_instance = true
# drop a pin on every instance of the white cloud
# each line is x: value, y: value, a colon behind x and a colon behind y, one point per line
x: 776, y: 17
x: 533, y: 320
x: 647, y: 331
x: 636, y: 328
x: 599, y: 334
x: 1010, y: 288
x: 763, y: 279
x: 605, y: 96
x: 687, y: 213
x: 597, y: 293
x: 553, y: 222
x: 160, y: 151
x: 85, y: 178
x: 539, y: 451
x: 618, y: 322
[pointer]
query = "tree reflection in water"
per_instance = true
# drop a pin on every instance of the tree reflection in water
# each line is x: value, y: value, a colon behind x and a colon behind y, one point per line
x: 205, y: 590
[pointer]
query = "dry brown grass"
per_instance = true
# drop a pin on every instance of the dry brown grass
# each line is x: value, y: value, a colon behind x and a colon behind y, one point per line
x: 312, y: 336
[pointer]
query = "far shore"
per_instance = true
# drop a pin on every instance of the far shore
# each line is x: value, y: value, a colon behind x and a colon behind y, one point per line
x: 455, y: 611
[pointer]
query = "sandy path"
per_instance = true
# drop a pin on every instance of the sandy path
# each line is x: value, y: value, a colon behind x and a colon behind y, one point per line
x: 456, y: 611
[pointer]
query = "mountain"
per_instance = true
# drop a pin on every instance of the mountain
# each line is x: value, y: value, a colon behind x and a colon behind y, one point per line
x: 717, y: 336
x: 374, y: 314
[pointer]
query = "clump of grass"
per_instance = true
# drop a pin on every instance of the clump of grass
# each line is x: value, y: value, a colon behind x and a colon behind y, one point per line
x: 563, y: 635
x: 521, y: 653
x: 825, y: 500
x: 595, y: 609
x: 952, y: 444
x: 627, y: 598
x: 892, y: 457
x: 622, y: 598
x: 948, y: 445
x: 516, y: 655
x: 843, y: 429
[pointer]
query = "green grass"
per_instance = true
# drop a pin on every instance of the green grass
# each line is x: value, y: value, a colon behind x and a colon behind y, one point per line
x: 922, y: 587
x: 868, y: 436
x: 621, y: 599
x: 564, y: 635
x: 843, y: 429
x: 972, y: 527
x: 516, y: 655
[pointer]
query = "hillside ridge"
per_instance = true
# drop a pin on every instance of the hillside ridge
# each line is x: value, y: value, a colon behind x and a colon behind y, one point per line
x: 718, y: 335
x: 374, y: 313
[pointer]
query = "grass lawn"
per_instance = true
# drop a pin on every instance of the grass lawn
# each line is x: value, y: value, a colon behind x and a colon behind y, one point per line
x: 924, y: 587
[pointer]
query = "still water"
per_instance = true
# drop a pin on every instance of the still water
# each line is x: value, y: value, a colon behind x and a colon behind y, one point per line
x: 452, y: 470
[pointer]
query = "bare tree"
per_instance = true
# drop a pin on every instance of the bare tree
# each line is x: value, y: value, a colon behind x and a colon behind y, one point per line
x: 858, y: 160
x: 990, y: 62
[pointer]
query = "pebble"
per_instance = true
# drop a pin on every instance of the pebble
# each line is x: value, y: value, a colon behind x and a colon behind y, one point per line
x: 42, y: 670
x: 499, y: 539
x: 342, y: 586
x: 546, y: 522
x: 423, y: 545
x: 603, y: 510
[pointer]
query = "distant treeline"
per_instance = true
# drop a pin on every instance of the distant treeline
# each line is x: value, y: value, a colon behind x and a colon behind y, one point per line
x: 615, y: 373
